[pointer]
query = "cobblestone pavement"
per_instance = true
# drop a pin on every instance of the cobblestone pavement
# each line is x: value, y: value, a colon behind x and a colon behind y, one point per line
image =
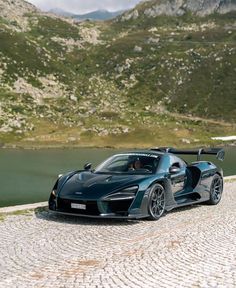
x: 189, y: 247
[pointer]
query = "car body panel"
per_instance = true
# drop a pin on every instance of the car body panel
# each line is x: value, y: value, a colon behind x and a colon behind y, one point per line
x: 93, y: 186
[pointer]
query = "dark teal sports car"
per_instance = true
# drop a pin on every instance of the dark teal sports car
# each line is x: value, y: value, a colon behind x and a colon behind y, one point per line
x: 139, y: 184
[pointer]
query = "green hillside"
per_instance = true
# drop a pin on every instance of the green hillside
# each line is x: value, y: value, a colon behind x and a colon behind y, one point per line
x: 189, y: 62
x: 144, y: 81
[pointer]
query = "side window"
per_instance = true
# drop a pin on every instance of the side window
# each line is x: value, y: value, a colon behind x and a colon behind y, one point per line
x: 177, y: 162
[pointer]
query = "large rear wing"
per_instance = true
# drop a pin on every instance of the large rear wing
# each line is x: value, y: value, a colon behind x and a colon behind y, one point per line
x: 219, y: 152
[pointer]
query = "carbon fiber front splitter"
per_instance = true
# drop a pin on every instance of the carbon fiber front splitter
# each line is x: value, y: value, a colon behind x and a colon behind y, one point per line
x: 102, y: 216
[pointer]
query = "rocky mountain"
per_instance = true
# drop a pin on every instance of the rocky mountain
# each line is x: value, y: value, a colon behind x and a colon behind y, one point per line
x: 142, y: 81
x: 94, y: 15
x: 154, y: 8
x: 14, y: 11
x: 60, y: 12
x: 98, y: 15
x: 11, y: 8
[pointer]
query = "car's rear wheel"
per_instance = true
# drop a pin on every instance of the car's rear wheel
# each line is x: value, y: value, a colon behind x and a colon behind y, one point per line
x: 216, y: 190
x: 156, y: 202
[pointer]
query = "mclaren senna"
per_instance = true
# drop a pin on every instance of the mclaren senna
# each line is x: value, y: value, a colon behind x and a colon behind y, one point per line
x: 139, y: 184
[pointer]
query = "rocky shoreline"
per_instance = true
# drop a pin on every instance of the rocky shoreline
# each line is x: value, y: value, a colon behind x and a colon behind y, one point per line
x: 118, y: 146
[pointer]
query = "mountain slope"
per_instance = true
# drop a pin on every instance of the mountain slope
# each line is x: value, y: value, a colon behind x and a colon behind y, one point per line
x: 9, y: 8
x: 143, y: 81
x: 154, y: 8
x: 185, y: 63
x: 14, y: 11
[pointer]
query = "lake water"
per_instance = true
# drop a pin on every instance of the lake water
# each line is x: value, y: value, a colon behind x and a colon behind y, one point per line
x: 27, y: 176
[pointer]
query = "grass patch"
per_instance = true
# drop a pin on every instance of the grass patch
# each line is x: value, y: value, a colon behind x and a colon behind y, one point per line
x: 27, y: 212
x: 230, y: 180
x: 145, y: 129
x: 2, y: 217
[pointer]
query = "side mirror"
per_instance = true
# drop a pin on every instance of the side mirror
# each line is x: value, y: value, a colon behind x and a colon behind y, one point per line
x: 221, y: 155
x: 87, y: 166
x: 174, y: 170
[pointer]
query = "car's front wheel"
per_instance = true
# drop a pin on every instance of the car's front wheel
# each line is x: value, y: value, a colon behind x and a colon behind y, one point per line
x: 156, y: 202
x: 216, y: 190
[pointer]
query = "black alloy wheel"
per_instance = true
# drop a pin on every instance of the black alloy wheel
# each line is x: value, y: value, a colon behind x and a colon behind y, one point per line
x: 216, y: 190
x: 156, y: 203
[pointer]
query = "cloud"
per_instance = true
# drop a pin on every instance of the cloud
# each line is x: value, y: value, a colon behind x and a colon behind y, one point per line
x: 82, y: 6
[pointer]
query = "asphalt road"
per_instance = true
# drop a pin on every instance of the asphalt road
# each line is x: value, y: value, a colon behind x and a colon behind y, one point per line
x: 188, y: 247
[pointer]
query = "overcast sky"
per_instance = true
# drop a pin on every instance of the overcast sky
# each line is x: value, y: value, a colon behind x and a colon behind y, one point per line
x: 84, y: 6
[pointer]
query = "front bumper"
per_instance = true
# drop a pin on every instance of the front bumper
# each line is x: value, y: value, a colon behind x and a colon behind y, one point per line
x: 97, y: 209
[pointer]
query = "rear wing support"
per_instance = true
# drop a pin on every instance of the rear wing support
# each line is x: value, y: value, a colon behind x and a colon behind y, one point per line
x: 219, y: 152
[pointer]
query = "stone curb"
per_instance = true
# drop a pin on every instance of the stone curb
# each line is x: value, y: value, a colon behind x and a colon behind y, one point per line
x: 11, y: 209
x: 230, y: 177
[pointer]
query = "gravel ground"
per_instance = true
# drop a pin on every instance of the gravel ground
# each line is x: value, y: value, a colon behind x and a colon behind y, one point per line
x: 188, y: 247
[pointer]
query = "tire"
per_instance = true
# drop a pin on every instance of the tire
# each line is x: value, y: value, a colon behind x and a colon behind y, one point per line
x: 156, y: 202
x: 216, y: 190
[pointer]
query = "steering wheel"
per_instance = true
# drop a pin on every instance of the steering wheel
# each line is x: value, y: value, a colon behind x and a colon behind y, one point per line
x: 148, y: 167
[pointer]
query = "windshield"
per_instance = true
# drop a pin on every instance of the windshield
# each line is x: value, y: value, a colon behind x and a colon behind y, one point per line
x: 130, y: 164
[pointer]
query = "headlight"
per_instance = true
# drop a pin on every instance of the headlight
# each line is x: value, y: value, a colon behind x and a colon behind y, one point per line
x: 54, y: 190
x: 124, y: 194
